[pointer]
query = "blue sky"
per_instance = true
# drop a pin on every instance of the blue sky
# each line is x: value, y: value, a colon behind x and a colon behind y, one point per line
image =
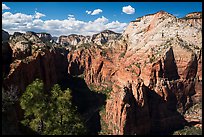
x: 64, y: 18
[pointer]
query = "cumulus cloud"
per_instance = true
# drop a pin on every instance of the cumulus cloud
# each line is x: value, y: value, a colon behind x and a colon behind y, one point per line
x: 101, y: 20
x: 128, y: 10
x: 88, y: 12
x: 39, y: 15
x: 22, y: 22
x: 96, y: 11
x: 4, y: 7
x: 116, y: 26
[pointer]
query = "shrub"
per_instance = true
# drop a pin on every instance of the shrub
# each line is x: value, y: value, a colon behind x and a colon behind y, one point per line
x: 189, y: 131
x: 103, y: 53
x: 152, y: 59
x: 122, y: 55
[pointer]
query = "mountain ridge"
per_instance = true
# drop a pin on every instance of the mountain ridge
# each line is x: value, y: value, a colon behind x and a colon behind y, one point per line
x: 153, y: 70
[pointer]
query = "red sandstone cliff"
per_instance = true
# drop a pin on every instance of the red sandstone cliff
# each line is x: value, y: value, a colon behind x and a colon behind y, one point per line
x: 167, y: 65
x: 48, y: 65
x: 154, y: 70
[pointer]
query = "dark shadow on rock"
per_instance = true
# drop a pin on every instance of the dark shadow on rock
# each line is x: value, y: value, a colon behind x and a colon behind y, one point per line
x: 88, y: 102
x: 193, y: 123
x: 163, y: 114
x: 6, y: 58
x: 170, y: 67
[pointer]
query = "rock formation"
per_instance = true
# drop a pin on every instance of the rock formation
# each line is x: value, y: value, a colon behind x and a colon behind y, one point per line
x: 104, y: 37
x: 44, y: 36
x: 99, y: 38
x: 154, y: 70
x: 161, y: 50
x: 32, y: 58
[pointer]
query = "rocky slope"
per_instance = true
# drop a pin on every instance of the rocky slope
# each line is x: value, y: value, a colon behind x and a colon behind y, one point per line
x: 30, y: 58
x: 153, y: 70
x: 26, y: 57
x: 99, y: 38
x: 73, y: 39
x: 44, y: 36
x: 48, y: 68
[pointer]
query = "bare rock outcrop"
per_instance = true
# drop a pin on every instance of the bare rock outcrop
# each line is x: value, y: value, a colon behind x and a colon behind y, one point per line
x: 44, y: 36
x: 44, y: 65
x: 73, y: 39
x: 99, y: 38
x: 159, y: 56
x: 154, y: 70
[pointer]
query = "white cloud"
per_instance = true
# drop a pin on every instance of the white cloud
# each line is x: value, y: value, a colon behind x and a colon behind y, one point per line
x: 16, y: 18
x: 116, y: 26
x: 88, y: 12
x: 128, y: 10
x: 96, y: 11
x: 4, y: 7
x: 22, y: 22
x: 39, y: 15
x: 101, y: 20
x: 70, y: 15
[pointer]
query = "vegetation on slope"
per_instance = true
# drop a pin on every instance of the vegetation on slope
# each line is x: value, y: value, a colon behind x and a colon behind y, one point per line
x: 50, y: 113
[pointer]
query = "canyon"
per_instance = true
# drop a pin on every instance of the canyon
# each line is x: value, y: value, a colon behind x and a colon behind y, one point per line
x: 152, y: 72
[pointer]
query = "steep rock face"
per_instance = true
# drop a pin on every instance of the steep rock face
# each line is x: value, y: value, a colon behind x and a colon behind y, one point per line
x: 170, y: 68
x: 164, y: 53
x: 44, y: 65
x: 138, y: 110
x: 151, y: 45
x: 104, y: 36
x: 44, y: 36
x: 73, y: 39
x: 156, y: 28
x: 22, y: 49
x: 99, y: 38
x: 24, y: 44
x: 127, y: 111
x: 28, y: 36
x: 91, y: 64
x: 194, y: 19
x: 154, y: 71
x: 199, y: 72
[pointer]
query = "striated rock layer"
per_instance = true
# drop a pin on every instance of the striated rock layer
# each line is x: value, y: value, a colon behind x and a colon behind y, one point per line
x: 99, y: 38
x: 152, y: 69
x: 48, y: 65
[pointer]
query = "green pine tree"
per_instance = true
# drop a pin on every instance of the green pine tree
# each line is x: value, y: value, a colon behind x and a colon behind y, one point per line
x: 50, y: 114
